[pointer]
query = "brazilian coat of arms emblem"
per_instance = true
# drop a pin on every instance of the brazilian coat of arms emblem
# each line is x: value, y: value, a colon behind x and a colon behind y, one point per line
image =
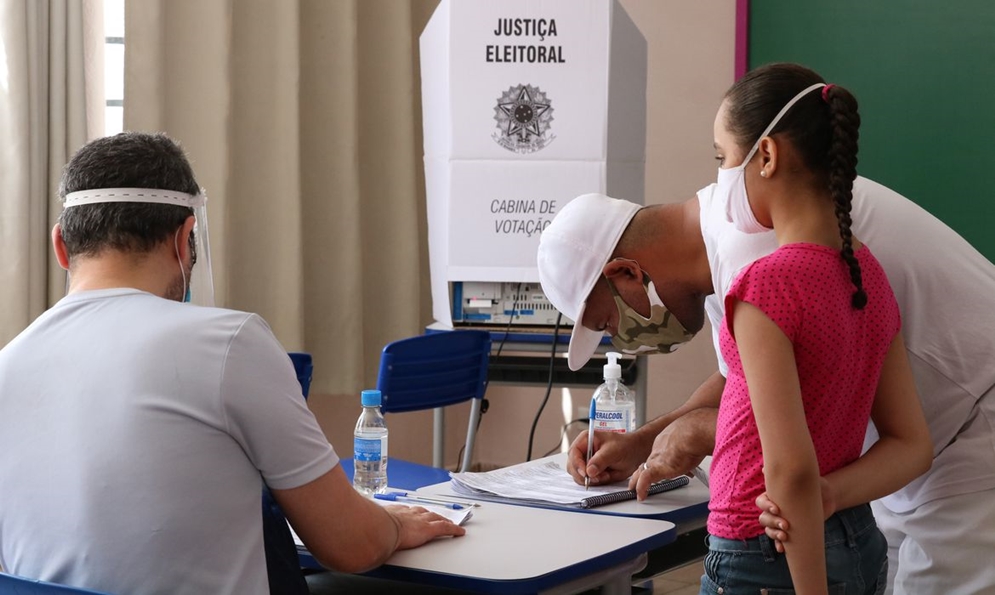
x: 524, y: 115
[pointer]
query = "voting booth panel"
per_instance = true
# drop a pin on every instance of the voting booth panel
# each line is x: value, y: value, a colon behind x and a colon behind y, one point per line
x: 527, y: 104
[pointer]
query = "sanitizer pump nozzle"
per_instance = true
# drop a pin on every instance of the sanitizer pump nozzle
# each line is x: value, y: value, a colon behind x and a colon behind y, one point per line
x: 615, y: 404
x: 613, y: 371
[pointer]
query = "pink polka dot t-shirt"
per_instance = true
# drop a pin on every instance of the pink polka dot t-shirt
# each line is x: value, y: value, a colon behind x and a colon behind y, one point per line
x: 805, y: 289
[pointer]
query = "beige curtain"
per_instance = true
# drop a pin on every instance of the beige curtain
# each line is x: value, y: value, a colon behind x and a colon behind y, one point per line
x: 50, y: 70
x: 303, y: 122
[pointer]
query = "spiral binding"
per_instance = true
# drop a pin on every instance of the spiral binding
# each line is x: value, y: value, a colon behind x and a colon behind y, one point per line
x: 661, y: 486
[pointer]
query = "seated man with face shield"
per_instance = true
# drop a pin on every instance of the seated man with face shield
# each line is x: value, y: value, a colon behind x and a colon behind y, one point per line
x: 139, y: 430
x: 647, y: 275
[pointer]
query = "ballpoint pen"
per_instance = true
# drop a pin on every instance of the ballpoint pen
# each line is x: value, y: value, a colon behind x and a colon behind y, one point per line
x: 394, y: 497
x: 590, y: 440
x: 437, y: 499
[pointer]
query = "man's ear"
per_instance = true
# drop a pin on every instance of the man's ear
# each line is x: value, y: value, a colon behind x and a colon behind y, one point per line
x: 61, y: 254
x: 183, y: 238
x: 622, y: 269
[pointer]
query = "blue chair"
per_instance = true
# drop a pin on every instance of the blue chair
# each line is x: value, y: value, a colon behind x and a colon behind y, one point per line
x: 283, y: 568
x: 18, y: 585
x: 430, y: 372
x: 304, y: 367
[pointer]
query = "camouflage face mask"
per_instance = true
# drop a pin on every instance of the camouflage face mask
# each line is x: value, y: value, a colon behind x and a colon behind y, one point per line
x: 638, y: 335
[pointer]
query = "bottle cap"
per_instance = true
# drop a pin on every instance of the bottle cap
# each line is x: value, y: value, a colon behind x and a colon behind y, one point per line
x: 370, y: 398
x: 612, y: 369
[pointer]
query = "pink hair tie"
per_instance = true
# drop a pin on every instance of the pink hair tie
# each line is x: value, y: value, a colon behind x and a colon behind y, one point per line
x: 825, y: 92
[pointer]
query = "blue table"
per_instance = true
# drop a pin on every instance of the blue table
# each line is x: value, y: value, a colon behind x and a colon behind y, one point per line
x: 403, y: 475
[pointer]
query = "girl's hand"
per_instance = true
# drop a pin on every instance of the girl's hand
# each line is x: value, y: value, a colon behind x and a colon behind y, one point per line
x: 776, y: 527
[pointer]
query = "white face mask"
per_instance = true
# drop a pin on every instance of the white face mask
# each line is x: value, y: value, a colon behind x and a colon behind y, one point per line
x: 730, y: 183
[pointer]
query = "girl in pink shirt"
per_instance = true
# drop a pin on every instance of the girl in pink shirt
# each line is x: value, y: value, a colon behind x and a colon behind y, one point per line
x: 811, y: 336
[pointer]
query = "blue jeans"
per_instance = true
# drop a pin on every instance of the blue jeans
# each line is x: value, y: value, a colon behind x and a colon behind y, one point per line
x: 856, y: 560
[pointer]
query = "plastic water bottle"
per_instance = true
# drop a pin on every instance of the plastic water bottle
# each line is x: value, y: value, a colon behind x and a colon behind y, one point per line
x: 616, y: 405
x: 370, y: 447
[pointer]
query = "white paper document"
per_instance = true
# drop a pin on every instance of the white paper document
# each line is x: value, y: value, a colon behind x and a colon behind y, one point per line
x: 547, y: 482
x: 457, y: 516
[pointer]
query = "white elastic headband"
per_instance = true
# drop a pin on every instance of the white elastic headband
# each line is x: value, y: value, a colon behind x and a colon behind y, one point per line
x: 141, y: 195
x: 777, y: 118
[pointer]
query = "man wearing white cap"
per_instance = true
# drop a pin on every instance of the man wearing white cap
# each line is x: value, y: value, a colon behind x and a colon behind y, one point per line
x: 138, y: 431
x: 620, y: 269
x: 584, y: 254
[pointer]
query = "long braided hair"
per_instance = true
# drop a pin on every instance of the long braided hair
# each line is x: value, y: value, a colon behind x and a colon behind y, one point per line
x: 823, y: 127
x: 845, y: 122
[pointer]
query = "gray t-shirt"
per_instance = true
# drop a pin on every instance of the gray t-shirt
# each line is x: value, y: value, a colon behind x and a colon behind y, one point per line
x: 136, y: 434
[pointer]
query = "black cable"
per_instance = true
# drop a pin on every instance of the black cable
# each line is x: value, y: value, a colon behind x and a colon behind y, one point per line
x: 563, y: 432
x: 549, y: 386
x: 507, y: 329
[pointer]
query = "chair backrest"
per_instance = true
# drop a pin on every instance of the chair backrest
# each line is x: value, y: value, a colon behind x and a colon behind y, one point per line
x: 304, y: 368
x: 434, y: 370
x: 19, y: 585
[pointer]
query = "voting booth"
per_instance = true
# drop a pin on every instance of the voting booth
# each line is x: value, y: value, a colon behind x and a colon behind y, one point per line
x: 526, y: 104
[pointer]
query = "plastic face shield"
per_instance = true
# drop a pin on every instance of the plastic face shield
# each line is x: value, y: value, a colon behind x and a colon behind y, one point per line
x: 200, y: 284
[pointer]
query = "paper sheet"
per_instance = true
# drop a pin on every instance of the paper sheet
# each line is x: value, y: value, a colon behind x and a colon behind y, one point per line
x: 457, y: 516
x: 544, y: 482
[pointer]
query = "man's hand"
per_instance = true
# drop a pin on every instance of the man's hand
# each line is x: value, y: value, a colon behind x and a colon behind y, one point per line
x: 416, y: 526
x: 615, y: 456
x: 777, y: 527
x: 677, y: 450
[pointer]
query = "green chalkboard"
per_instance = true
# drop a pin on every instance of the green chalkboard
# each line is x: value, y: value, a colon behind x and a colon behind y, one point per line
x: 923, y: 72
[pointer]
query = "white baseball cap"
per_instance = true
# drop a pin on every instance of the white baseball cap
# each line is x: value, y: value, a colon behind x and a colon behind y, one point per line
x: 573, y: 252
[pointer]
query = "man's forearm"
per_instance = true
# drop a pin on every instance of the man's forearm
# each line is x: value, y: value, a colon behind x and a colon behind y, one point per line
x: 708, y: 395
x: 883, y: 469
x: 698, y: 432
x: 680, y: 447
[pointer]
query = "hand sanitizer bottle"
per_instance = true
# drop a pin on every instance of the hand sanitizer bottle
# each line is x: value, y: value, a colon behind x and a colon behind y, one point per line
x: 616, y: 405
x: 370, y: 447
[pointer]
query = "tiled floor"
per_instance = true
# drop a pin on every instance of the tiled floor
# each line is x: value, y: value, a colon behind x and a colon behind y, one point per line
x: 683, y: 581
